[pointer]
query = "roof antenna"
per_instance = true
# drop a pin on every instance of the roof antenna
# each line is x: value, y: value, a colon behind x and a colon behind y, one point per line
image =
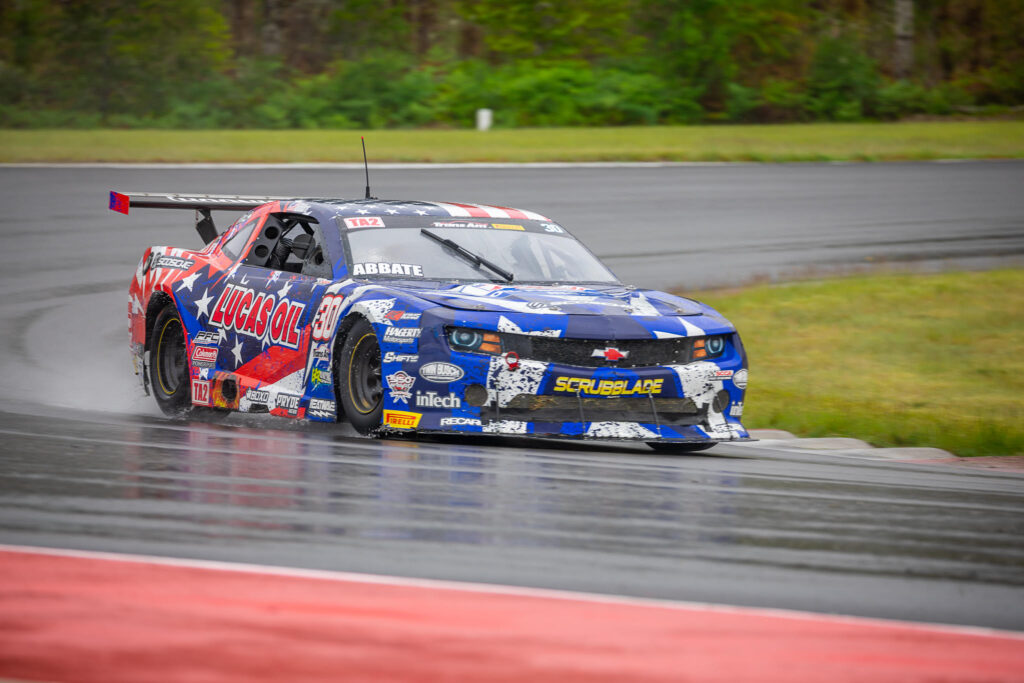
x: 367, y: 167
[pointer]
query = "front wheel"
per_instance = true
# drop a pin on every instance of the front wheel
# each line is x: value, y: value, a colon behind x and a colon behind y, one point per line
x: 678, y: 448
x: 359, y: 382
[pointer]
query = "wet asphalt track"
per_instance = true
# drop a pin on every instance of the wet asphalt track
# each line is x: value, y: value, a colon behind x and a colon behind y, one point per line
x: 749, y: 525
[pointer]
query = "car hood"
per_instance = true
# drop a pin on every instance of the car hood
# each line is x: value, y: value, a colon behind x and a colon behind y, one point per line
x: 559, y: 299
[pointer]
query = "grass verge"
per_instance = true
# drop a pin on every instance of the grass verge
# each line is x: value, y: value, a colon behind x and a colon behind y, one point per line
x: 896, y: 360
x: 777, y: 143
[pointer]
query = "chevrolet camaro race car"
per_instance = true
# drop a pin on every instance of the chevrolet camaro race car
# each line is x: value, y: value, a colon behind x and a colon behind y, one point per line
x: 424, y: 317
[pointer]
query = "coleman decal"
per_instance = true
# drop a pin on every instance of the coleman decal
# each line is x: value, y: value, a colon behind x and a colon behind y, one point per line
x: 204, y: 356
x: 364, y: 222
x: 387, y: 269
x: 608, y: 387
x: 259, y: 315
x: 399, y: 419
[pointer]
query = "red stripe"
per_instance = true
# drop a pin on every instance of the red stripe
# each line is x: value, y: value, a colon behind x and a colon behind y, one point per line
x: 474, y: 211
x: 274, y: 364
x: 513, y: 213
x: 90, y: 619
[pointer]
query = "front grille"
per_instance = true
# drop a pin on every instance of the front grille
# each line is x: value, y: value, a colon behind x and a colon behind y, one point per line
x: 532, y: 408
x: 580, y: 352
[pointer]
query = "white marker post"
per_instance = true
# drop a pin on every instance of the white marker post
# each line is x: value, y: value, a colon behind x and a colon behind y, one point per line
x: 484, y: 119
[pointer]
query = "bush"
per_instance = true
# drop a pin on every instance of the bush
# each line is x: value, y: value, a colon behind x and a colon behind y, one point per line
x: 781, y: 101
x: 842, y: 82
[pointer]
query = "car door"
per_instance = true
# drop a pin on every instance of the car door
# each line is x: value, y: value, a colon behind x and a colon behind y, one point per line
x: 261, y: 314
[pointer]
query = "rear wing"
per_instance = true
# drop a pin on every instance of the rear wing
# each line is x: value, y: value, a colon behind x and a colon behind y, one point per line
x: 202, y: 203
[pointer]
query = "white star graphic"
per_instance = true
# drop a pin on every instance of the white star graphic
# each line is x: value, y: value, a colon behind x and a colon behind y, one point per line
x: 392, y: 211
x: 231, y: 273
x: 273, y: 276
x: 221, y: 335
x: 421, y: 212
x: 204, y: 373
x: 136, y: 304
x: 245, y: 279
x: 186, y: 283
x: 362, y: 211
x: 236, y: 351
x: 284, y: 290
x: 203, y: 305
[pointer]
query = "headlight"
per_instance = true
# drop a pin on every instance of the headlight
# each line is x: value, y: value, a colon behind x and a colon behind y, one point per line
x: 708, y: 347
x: 474, y: 341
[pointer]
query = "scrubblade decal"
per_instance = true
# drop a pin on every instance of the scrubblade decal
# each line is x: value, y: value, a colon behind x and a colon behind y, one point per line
x: 259, y: 315
x: 608, y: 387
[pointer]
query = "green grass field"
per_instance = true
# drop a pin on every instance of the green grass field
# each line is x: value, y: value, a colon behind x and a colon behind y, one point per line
x: 804, y: 142
x: 896, y: 360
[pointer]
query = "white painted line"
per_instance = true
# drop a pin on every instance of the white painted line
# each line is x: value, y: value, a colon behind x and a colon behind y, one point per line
x: 418, y: 166
x: 499, y: 589
x: 390, y: 166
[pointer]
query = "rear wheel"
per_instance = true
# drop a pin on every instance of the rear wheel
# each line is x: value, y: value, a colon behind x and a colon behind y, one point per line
x: 678, y: 448
x: 168, y: 363
x: 359, y: 382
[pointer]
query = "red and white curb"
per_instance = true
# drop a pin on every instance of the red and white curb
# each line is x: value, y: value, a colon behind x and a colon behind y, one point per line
x: 85, y: 616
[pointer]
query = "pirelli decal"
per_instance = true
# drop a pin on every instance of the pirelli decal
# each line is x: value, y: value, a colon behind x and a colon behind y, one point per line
x: 259, y: 315
x: 400, y: 419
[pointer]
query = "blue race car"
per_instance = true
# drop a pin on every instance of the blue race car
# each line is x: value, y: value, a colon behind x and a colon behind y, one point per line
x: 424, y: 317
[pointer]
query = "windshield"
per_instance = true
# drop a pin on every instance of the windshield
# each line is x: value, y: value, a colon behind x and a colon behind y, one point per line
x: 528, y: 256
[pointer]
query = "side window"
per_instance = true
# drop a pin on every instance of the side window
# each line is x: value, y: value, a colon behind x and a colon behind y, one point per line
x: 292, y: 243
x: 234, y: 244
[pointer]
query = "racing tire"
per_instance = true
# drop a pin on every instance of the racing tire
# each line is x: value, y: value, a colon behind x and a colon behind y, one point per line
x: 678, y: 448
x: 360, y: 382
x: 168, y: 364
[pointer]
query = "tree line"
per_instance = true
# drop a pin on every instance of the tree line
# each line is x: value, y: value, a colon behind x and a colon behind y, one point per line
x: 405, y: 63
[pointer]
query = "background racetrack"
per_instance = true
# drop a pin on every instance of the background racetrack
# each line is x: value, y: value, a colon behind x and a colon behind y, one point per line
x: 87, y: 462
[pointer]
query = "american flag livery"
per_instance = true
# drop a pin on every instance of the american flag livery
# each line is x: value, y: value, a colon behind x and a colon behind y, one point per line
x: 377, y: 312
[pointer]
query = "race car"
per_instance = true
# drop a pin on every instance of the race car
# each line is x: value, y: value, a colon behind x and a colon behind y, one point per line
x: 424, y: 317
